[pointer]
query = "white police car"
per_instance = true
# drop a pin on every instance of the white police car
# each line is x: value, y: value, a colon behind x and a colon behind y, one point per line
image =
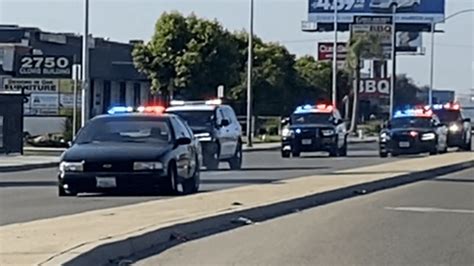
x: 217, y: 128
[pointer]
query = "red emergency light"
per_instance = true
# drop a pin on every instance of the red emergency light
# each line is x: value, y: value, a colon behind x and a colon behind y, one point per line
x: 152, y: 109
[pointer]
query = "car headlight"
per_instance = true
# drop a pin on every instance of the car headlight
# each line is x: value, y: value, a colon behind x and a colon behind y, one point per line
x: 71, y: 166
x: 454, y: 128
x: 203, y: 136
x: 385, y: 136
x: 428, y: 136
x: 328, y: 132
x: 287, y: 132
x: 146, y: 166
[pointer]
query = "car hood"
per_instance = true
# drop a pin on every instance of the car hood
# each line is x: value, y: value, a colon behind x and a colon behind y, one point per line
x: 309, y: 126
x: 113, y: 151
x: 419, y: 130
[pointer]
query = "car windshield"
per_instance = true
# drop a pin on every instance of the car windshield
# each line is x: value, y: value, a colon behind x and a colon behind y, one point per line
x: 196, y: 118
x: 447, y: 116
x: 407, y: 122
x: 129, y: 129
x: 311, y: 118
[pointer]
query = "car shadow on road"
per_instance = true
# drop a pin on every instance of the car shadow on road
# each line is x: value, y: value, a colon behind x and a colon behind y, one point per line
x: 272, y: 168
x: 241, y: 181
x: 28, y: 184
x: 457, y: 180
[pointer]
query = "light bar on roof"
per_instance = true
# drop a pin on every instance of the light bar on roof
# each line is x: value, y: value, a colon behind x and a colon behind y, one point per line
x: 151, y: 109
x: 413, y: 113
x: 120, y: 109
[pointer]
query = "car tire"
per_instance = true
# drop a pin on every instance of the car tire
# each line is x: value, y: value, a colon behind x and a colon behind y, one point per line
x: 285, y: 154
x: 296, y: 154
x: 212, y: 160
x: 235, y: 162
x: 467, y: 146
x: 343, y: 150
x: 383, y: 154
x: 191, y: 185
x: 395, y: 154
x: 64, y: 193
x: 334, y: 151
x: 169, y: 186
x: 434, y: 151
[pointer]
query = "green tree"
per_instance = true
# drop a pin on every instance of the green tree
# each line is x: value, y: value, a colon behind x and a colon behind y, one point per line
x: 273, y: 77
x: 189, y: 55
x: 317, y: 79
x: 360, y: 46
x: 405, y: 92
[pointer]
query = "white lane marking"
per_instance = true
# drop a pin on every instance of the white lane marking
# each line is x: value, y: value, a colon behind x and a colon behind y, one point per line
x: 429, y: 210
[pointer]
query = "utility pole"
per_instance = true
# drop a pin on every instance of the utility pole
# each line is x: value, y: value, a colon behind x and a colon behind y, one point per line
x: 334, y: 57
x: 249, y: 78
x: 393, y: 79
x: 85, y: 66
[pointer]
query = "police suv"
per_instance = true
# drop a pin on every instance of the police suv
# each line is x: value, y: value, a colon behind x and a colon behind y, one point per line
x: 459, y: 133
x: 217, y: 128
x: 413, y: 131
x: 314, y: 128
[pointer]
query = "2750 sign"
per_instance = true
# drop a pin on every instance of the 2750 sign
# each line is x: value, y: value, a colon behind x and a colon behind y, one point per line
x: 44, y: 66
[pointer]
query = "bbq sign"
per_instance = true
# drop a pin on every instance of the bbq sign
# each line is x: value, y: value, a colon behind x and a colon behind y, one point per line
x: 44, y: 66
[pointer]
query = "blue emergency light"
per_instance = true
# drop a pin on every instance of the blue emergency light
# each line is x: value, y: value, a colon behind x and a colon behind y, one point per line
x: 120, y: 110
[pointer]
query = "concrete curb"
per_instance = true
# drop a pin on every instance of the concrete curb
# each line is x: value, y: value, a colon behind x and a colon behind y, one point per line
x: 143, y: 246
x: 26, y: 167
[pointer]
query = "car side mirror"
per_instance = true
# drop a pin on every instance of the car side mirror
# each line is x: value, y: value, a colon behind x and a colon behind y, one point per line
x: 183, y: 141
x: 285, y: 121
x: 467, y: 120
x: 225, y: 122
x: 337, y: 121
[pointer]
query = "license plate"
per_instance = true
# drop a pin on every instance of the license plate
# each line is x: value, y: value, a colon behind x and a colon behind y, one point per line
x: 106, y: 182
x: 404, y: 144
x: 306, y: 141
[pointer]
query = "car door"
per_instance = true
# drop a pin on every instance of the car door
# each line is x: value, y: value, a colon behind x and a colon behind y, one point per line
x: 221, y: 134
x: 232, y: 131
x: 340, y: 129
x: 441, y: 132
x: 185, y: 157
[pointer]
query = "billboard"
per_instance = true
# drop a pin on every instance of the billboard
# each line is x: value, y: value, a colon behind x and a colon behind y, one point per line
x: 408, y: 11
x: 325, y: 51
x: 374, y: 88
x: 43, y: 94
x: 409, y: 42
x: 44, y: 66
x: 380, y: 32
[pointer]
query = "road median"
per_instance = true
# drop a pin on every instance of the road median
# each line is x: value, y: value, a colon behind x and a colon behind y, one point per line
x: 105, y: 236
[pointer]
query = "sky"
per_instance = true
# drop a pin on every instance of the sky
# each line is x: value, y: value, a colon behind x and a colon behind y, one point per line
x: 275, y: 20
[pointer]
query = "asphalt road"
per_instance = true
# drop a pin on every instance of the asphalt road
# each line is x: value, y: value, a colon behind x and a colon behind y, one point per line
x: 32, y: 195
x: 425, y: 223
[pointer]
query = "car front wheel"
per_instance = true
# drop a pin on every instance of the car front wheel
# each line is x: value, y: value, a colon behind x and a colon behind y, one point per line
x: 235, y: 162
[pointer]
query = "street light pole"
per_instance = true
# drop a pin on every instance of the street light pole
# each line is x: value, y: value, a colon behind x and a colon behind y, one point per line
x: 433, y: 31
x: 430, y: 91
x: 249, y: 78
x: 85, y: 66
x: 393, y: 78
x: 334, y: 57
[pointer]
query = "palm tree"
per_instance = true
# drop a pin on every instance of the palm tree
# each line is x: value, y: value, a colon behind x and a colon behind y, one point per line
x: 361, y: 46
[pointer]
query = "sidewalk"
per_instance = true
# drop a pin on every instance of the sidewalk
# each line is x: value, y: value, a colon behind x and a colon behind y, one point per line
x: 21, y: 163
x: 94, y: 237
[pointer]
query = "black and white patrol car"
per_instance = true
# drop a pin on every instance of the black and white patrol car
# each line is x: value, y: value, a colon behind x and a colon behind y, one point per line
x: 314, y: 128
x: 413, y: 131
x: 459, y: 127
